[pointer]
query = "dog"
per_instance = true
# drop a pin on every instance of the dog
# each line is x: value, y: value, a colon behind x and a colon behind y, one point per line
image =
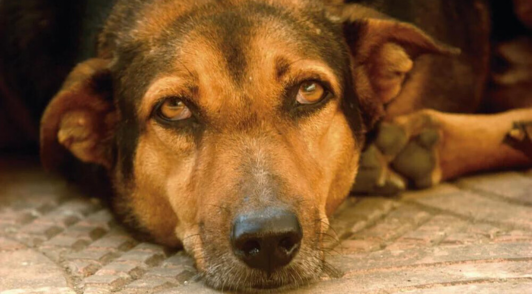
x: 235, y: 128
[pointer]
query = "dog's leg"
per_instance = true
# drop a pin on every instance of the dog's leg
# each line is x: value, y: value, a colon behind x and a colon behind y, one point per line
x: 442, y: 146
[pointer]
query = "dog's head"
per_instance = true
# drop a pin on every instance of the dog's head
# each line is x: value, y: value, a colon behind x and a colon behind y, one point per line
x: 232, y: 127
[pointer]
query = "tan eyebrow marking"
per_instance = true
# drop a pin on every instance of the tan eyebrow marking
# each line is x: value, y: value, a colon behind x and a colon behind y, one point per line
x: 303, y: 68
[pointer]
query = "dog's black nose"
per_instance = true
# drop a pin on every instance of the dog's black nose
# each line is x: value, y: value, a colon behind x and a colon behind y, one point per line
x: 267, y: 239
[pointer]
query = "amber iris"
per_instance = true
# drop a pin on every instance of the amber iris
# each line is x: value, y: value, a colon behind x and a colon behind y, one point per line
x: 310, y: 92
x: 173, y: 109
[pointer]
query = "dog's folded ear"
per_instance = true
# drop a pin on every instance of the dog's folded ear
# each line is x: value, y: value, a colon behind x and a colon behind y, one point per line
x: 383, y: 53
x: 80, y: 118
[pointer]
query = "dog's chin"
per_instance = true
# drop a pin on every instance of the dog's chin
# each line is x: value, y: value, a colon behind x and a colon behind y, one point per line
x: 263, y: 287
x: 233, y: 275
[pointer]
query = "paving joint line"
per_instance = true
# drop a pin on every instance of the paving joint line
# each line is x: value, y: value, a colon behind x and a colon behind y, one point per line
x: 472, y: 219
x: 451, y: 284
x: 370, y: 224
x: 493, y: 196
x: 436, y: 264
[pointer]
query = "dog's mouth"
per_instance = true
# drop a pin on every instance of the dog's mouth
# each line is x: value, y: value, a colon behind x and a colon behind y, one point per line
x: 233, y: 276
x: 262, y: 284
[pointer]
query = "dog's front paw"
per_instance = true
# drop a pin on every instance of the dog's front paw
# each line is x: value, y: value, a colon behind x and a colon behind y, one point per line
x: 413, y: 145
x: 406, y: 151
x: 418, y: 161
x: 375, y: 177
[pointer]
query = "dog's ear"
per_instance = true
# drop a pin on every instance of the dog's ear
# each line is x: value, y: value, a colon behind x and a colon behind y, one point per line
x: 80, y: 118
x: 383, y: 52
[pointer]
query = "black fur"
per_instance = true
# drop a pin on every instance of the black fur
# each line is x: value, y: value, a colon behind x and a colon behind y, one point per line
x: 41, y: 41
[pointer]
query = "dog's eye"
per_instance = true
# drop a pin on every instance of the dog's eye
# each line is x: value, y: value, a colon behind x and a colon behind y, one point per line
x: 173, y: 109
x: 310, y: 92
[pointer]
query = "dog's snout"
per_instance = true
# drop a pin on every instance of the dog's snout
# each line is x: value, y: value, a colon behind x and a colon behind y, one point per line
x: 266, y: 240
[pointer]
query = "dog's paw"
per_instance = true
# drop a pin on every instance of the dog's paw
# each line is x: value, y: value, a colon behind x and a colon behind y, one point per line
x: 413, y: 147
x: 374, y: 177
x: 418, y: 161
x: 406, y: 151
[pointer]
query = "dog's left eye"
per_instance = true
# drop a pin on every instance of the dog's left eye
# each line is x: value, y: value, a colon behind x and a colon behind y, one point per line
x: 173, y: 109
x: 311, y: 92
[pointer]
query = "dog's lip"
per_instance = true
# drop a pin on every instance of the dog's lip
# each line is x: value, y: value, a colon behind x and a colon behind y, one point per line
x: 274, y: 285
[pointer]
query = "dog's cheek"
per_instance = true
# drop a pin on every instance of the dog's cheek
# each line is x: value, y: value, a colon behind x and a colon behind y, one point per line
x: 333, y: 147
x: 182, y: 199
x: 159, y: 199
x: 343, y: 154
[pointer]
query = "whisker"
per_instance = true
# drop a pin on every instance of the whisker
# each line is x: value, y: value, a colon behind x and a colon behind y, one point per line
x: 329, y: 226
x: 331, y: 271
x: 334, y: 237
x: 329, y: 251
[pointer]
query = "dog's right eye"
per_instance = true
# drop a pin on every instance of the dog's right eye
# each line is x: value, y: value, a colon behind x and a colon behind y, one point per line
x: 173, y: 109
x: 310, y: 92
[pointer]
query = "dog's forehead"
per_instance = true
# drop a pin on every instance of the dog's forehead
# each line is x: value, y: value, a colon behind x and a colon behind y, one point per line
x: 231, y: 42
x: 228, y: 24
x: 241, y: 40
x: 149, y: 19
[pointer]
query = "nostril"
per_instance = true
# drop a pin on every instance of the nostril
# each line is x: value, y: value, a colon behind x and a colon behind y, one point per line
x: 251, y: 248
x: 288, y: 244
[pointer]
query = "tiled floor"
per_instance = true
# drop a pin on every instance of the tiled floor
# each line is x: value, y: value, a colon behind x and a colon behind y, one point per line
x: 470, y: 236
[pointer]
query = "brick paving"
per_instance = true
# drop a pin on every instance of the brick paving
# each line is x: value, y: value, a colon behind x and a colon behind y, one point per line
x: 473, y: 235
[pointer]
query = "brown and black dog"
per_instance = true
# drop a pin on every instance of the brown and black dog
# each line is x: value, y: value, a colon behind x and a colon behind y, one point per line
x: 234, y: 128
